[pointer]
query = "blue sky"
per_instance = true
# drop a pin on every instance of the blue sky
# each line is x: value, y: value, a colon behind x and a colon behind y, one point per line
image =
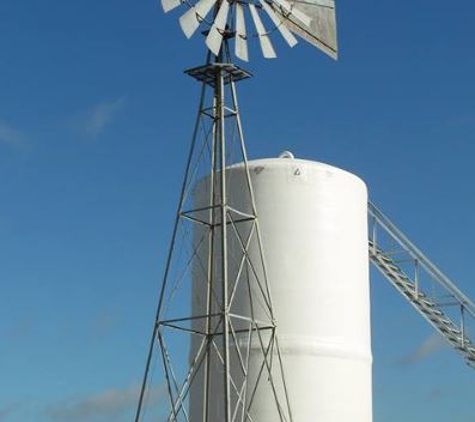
x: 95, y: 119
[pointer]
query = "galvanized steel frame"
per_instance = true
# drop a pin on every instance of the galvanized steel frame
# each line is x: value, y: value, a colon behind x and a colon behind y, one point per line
x: 220, y: 74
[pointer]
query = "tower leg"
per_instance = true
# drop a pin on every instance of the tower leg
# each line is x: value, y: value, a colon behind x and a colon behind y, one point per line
x: 214, y: 296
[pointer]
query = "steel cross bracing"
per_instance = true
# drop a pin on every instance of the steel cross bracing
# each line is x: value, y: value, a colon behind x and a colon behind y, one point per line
x: 431, y: 292
x: 215, y: 335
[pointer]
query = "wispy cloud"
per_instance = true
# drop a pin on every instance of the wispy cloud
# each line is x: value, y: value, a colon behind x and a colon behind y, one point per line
x: 104, y: 322
x: 4, y: 411
x: 7, y: 410
x: 435, y: 393
x: 113, y: 404
x: 427, y: 348
x: 10, y: 135
x: 102, y: 115
x: 21, y: 329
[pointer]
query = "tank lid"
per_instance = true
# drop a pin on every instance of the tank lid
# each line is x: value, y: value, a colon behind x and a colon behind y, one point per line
x: 286, y: 154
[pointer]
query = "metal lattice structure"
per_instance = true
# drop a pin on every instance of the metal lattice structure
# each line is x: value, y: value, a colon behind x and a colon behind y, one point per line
x: 428, y: 290
x: 204, y: 342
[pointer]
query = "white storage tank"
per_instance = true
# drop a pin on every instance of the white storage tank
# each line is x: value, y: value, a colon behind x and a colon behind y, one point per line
x: 313, y: 221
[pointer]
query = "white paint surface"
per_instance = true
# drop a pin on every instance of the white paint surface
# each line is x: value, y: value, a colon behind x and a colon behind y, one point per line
x: 313, y: 220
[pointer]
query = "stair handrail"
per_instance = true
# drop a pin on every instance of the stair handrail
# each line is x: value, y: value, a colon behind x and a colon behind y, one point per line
x: 425, y: 262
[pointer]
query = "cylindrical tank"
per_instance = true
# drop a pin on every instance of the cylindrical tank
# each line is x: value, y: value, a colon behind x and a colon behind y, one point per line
x: 313, y: 223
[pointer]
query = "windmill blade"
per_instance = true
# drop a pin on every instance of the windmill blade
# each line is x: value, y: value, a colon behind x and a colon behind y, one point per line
x: 284, y: 31
x: 266, y: 46
x: 322, y: 30
x: 241, y: 50
x: 168, y: 5
x: 215, y: 36
x: 292, y: 10
x: 191, y: 20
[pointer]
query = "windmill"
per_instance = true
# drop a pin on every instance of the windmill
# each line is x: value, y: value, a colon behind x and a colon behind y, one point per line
x: 231, y: 357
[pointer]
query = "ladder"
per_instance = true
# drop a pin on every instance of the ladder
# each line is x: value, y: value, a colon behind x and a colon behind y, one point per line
x: 427, y: 289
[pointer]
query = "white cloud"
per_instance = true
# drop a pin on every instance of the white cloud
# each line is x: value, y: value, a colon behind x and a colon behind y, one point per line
x: 112, y: 404
x: 431, y: 345
x: 10, y: 135
x: 4, y: 411
x: 7, y: 410
x: 102, y: 115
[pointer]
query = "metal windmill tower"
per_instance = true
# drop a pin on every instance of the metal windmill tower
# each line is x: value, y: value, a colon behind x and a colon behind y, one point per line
x: 219, y: 358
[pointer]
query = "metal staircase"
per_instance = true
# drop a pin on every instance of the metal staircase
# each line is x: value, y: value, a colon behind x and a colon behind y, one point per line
x: 428, y: 290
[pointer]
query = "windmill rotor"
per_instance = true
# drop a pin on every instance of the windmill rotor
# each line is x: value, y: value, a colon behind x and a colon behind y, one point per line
x: 311, y: 20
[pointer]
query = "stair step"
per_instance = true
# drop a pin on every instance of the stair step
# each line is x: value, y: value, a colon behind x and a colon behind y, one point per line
x: 390, y: 264
x: 463, y: 349
x: 450, y: 330
x: 430, y: 311
x: 426, y: 302
x: 443, y: 323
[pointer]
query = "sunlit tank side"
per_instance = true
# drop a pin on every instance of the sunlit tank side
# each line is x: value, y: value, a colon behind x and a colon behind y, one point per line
x: 313, y: 222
